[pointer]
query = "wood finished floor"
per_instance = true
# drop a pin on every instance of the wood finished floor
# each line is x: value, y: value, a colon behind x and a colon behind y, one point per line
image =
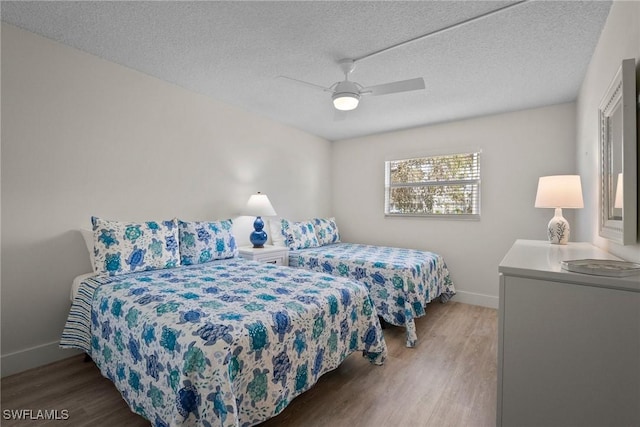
x: 448, y: 379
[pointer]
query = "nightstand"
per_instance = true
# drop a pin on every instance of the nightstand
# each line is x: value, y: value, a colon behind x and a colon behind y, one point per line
x: 278, y: 255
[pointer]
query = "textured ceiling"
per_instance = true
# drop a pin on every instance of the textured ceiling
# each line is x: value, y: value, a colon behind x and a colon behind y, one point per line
x: 529, y: 55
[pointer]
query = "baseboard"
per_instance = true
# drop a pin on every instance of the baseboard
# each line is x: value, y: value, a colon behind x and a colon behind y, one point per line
x: 476, y: 299
x: 34, y: 357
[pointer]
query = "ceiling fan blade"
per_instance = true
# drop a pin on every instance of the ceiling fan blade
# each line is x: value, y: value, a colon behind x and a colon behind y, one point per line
x: 312, y: 85
x: 394, y: 87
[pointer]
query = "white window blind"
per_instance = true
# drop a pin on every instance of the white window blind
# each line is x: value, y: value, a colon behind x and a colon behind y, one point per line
x: 447, y: 185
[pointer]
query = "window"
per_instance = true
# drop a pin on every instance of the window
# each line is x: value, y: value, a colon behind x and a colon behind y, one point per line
x: 439, y: 186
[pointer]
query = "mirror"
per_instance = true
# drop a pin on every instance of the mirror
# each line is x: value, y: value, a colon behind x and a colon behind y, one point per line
x: 614, y: 163
x: 618, y: 158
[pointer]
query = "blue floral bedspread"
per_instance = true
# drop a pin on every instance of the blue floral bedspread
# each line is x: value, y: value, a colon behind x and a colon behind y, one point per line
x: 226, y: 343
x: 401, y: 281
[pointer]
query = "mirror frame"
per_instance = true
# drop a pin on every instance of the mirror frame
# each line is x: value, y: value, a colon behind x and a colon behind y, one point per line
x: 620, y: 98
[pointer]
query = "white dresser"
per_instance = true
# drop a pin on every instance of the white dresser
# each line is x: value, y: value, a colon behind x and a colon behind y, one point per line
x: 568, y: 343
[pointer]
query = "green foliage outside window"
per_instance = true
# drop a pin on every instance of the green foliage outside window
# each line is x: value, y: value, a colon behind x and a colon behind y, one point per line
x: 436, y: 185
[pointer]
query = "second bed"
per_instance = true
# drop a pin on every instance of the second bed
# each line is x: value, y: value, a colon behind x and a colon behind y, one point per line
x: 401, y: 282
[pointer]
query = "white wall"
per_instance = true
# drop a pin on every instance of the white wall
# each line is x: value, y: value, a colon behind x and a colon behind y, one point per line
x: 517, y: 148
x: 620, y: 39
x: 82, y: 136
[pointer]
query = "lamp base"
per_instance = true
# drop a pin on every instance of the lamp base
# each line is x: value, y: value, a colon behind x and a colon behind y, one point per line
x: 558, y: 229
x: 258, y: 237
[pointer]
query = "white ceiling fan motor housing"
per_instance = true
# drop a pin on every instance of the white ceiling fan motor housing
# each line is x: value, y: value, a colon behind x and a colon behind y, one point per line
x: 346, y: 96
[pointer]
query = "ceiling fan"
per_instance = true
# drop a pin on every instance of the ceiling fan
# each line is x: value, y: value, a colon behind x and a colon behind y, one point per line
x: 346, y: 94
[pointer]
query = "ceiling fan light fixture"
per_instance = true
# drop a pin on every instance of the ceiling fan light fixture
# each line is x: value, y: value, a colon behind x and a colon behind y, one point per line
x: 345, y: 101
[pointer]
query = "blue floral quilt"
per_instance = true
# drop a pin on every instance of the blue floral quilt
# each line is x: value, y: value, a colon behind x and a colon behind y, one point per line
x: 225, y: 343
x: 401, y: 281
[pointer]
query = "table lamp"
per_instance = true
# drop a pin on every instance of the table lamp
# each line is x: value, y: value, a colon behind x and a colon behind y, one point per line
x: 559, y: 191
x: 259, y: 206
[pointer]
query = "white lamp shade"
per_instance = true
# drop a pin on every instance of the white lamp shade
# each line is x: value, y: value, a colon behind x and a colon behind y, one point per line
x: 559, y: 191
x: 259, y: 205
x: 619, y: 193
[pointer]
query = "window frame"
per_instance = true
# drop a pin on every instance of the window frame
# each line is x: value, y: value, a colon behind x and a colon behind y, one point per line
x: 459, y: 216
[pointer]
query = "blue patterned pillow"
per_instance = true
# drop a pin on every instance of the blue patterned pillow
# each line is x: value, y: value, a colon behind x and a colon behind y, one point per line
x: 206, y: 241
x: 127, y: 247
x: 326, y: 230
x: 299, y: 235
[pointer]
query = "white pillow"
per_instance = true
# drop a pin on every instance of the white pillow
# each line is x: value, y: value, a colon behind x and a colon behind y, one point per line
x: 87, y: 235
x: 275, y: 226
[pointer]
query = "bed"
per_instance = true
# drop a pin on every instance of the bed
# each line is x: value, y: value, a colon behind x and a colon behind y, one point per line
x: 401, y: 282
x: 223, y: 343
